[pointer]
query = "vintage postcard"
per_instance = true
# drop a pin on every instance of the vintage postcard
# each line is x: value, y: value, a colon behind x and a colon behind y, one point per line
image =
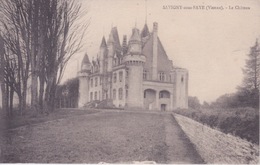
x: 130, y: 82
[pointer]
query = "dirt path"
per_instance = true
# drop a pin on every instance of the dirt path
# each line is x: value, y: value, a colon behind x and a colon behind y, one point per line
x: 180, y: 150
x: 108, y: 136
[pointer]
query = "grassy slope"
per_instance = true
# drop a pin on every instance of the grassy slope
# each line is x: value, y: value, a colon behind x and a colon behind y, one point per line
x: 89, y: 139
x: 107, y: 136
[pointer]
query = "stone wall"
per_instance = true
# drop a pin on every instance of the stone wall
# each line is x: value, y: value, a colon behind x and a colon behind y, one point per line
x: 217, y: 147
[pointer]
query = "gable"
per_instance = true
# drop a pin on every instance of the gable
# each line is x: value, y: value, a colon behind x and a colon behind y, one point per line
x: 163, y: 62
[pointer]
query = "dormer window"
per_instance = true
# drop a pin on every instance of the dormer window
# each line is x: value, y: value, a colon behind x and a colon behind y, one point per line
x: 162, y: 76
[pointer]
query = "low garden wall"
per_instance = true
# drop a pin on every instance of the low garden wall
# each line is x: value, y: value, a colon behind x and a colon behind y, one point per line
x: 217, y: 147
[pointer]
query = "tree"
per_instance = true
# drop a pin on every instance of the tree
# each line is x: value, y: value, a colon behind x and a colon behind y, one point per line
x: 248, y: 92
x: 67, y: 94
x: 16, y: 35
x: 226, y: 101
x: 65, y: 41
x: 194, y: 102
x: 42, y: 35
x: 2, y: 68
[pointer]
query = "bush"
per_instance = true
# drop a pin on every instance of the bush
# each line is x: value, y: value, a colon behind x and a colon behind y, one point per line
x: 242, y: 122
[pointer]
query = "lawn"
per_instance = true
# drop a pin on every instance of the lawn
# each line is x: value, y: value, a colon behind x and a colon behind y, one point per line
x: 105, y: 136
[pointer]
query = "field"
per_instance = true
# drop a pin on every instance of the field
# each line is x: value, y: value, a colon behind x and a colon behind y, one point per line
x: 90, y: 136
x: 241, y: 122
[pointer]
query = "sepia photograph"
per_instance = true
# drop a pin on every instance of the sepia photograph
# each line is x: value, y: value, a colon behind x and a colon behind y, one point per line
x: 129, y: 82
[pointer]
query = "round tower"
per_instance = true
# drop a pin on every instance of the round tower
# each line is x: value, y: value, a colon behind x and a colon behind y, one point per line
x: 134, y: 60
x: 83, y: 76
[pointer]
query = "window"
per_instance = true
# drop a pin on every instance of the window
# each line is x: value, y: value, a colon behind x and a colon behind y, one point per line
x: 126, y: 73
x: 91, y: 82
x: 114, y: 94
x: 99, y: 95
x: 96, y: 81
x: 120, y: 93
x: 91, y: 96
x: 95, y: 95
x: 119, y: 61
x: 145, y: 75
x: 182, y: 79
x: 162, y: 76
x: 164, y: 94
x: 100, y: 81
x: 103, y: 95
x: 126, y: 91
x: 114, y: 77
x: 115, y: 62
x: 144, y: 94
x: 170, y: 78
x: 120, y: 76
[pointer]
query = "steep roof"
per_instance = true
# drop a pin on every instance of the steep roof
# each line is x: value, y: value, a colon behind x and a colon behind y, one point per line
x: 103, y: 42
x: 145, y: 32
x: 135, y: 35
x: 85, y: 60
x: 115, y: 35
x: 114, y: 39
x: 163, y: 62
x: 110, y: 38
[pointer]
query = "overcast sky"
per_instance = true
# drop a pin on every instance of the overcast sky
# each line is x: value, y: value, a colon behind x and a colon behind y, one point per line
x: 211, y: 44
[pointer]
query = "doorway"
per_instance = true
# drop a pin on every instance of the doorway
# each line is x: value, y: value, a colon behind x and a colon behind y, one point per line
x: 163, y: 107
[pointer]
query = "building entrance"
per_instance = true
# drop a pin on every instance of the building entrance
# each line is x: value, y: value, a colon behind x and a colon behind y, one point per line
x: 163, y: 107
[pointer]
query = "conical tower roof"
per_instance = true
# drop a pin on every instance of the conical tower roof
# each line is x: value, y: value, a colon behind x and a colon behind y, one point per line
x: 85, y: 60
x: 103, y: 42
x: 135, y: 35
x: 110, y: 39
x: 145, y: 32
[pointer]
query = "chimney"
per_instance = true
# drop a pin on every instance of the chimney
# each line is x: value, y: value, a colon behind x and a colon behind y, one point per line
x: 124, y: 45
x: 155, y: 51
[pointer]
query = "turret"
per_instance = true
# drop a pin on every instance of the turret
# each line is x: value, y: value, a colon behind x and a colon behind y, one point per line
x: 135, y: 44
x: 85, y: 64
x: 134, y: 61
x: 84, y: 81
x: 180, y: 92
x: 101, y: 55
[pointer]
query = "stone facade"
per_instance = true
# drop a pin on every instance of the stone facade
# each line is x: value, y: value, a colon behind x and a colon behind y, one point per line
x: 134, y: 75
